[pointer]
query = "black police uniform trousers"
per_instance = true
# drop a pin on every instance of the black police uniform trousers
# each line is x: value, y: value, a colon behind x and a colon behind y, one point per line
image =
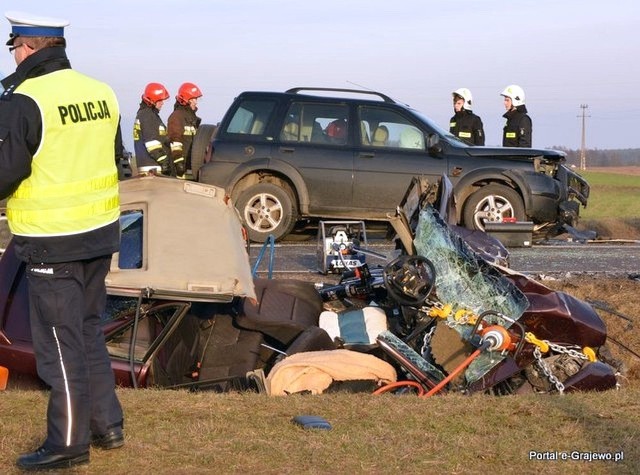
x: 66, y: 303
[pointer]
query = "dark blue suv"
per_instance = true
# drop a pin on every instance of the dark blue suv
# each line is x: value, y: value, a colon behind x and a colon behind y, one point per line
x: 351, y: 154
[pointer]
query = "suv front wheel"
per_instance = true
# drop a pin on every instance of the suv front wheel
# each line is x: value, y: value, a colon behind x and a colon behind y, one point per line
x: 491, y: 204
x: 266, y: 209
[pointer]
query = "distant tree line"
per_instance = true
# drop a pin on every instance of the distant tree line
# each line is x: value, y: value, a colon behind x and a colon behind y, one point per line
x: 603, y: 158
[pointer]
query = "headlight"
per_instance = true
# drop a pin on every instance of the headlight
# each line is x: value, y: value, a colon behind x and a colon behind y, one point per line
x: 542, y: 166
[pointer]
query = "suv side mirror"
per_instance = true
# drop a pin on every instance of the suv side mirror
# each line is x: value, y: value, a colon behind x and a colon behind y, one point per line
x: 434, y: 146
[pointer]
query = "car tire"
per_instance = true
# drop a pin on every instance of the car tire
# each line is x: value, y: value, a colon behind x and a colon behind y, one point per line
x: 199, y: 148
x: 266, y: 209
x: 492, y: 203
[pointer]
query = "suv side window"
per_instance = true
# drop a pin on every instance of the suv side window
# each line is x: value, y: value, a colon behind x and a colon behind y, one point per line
x: 381, y: 127
x: 316, y: 123
x: 251, y: 117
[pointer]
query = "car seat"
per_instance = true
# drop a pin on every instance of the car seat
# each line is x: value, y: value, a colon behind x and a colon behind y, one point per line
x: 284, y: 309
x: 290, y: 132
x: 227, y: 353
x: 175, y: 360
x: 355, y: 329
x: 317, y: 134
x: 364, y: 134
x: 380, y: 136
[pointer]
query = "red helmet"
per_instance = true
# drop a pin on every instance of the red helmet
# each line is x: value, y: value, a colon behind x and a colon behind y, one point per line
x: 155, y: 92
x: 337, y: 129
x: 188, y: 91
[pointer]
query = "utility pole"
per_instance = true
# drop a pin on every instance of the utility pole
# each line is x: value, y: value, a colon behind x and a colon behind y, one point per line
x: 583, y: 148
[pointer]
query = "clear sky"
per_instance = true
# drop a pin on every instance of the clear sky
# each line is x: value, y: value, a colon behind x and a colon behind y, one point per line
x: 563, y: 53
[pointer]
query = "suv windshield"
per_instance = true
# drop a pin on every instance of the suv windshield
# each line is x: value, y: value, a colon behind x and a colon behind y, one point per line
x: 440, y: 131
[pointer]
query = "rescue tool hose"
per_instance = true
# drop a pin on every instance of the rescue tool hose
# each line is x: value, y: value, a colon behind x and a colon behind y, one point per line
x: 400, y: 384
x: 458, y: 370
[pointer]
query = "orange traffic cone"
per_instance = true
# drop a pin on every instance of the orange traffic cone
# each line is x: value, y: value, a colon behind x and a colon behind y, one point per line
x: 4, y: 377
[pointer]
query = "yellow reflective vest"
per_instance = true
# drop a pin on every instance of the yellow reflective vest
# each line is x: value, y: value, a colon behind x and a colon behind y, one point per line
x: 73, y: 186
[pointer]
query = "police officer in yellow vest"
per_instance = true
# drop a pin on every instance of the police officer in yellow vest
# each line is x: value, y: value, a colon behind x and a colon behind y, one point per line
x: 57, y: 166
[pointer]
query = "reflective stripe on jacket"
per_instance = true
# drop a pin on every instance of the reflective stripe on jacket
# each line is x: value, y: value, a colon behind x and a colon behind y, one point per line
x: 182, y: 126
x: 467, y: 126
x: 517, y: 130
x: 150, y: 140
x: 73, y: 186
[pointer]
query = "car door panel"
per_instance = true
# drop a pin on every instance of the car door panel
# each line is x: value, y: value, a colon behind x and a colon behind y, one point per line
x: 381, y: 177
x: 327, y: 172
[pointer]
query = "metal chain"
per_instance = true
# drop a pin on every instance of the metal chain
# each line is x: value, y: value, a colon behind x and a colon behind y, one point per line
x: 547, y: 372
x: 427, y: 341
x: 568, y: 351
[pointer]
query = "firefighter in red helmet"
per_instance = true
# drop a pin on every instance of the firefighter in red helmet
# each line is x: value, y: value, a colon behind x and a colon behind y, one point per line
x: 150, y: 140
x: 183, y: 124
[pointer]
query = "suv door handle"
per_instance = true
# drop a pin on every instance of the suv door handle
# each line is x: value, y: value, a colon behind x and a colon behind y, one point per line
x: 287, y: 149
x: 367, y: 154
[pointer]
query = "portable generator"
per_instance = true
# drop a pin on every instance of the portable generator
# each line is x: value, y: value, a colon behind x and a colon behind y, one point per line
x: 338, y: 248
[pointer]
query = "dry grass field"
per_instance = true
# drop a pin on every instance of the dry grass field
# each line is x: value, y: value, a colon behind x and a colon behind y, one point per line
x: 630, y: 170
x: 613, y: 210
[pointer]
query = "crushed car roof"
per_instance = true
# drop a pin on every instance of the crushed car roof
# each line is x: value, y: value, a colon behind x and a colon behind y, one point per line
x: 180, y: 240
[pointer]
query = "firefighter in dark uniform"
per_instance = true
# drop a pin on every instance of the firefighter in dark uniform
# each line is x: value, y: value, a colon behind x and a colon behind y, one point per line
x: 150, y: 139
x: 518, y: 129
x: 465, y: 124
x: 183, y: 124
x: 57, y: 166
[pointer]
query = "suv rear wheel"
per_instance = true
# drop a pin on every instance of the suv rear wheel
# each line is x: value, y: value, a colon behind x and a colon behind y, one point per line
x: 266, y: 209
x: 491, y: 204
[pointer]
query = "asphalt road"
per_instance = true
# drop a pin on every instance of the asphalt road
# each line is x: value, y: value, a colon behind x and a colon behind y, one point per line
x: 614, y: 260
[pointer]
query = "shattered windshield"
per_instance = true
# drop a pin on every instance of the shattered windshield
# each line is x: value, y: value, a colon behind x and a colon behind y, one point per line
x: 466, y: 282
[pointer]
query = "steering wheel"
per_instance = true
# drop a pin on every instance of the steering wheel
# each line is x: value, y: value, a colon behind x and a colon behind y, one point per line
x: 409, y: 280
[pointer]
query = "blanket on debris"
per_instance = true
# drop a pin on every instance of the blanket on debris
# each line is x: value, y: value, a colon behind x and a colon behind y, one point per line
x: 314, y: 371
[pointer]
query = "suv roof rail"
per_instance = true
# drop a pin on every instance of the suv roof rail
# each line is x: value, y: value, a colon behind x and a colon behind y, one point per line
x: 384, y: 97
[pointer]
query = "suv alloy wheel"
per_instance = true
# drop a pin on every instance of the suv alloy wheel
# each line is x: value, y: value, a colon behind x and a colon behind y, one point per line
x: 266, y: 209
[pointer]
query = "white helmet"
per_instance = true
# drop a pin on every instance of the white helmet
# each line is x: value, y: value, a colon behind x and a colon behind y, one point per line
x: 516, y: 93
x: 466, y: 95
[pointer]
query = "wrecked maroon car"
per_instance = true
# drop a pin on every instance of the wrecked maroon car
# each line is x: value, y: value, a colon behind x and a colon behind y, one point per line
x: 440, y: 316
x: 154, y: 282
x: 473, y: 326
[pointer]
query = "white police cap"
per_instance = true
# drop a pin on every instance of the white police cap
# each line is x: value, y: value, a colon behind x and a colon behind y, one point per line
x: 26, y: 24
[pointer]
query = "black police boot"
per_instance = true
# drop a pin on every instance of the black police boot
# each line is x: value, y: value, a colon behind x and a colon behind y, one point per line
x: 45, y: 459
x: 112, y: 439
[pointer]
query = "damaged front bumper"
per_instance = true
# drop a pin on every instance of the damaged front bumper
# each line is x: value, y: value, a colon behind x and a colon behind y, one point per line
x: 577, y: 193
